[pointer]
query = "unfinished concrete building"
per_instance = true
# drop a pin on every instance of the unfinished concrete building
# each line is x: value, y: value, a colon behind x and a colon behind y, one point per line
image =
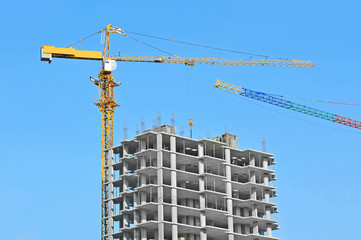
x: 165, y: 186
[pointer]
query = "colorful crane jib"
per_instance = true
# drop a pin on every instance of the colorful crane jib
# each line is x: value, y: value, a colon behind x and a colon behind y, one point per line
x: 287, y: 104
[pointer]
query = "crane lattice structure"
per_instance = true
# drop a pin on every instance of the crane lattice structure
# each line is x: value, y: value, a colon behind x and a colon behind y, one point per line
x: 106, y: 85
x: 264, y: 97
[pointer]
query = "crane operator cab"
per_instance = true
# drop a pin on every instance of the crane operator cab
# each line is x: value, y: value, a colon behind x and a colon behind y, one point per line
x: 109, y: 65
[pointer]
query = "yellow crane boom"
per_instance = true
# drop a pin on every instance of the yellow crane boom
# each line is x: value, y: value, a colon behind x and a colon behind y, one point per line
x: 106, y: 85
x: 49, y: 52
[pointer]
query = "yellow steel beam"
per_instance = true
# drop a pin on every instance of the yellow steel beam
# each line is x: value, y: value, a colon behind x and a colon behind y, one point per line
x: 49, y: 52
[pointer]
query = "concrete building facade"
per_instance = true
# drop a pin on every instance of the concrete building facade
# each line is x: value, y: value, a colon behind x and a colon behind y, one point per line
x: 165, y: 186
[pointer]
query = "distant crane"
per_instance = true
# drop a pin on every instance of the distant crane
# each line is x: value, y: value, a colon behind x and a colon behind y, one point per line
x: 106, y: 85
x: 267, y: 98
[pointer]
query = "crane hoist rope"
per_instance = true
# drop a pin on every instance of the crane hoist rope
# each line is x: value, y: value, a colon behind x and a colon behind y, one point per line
x: 205, y: 46
x: 313, y: 100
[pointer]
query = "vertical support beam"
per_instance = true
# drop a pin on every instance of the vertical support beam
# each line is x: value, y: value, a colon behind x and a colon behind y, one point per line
x: 143, y: 234
x: 252, y: 161
x: 202, y: 196
x: 268, y: 213
x: 267, y: 196
x: 265, y: 163
x: 174, y: 209
x: 269, y: 230
x: 136, y: 233
x: 246, y: 212
x: 255, y: 228
x: 227, y: 153
x: 266, y: 179
x: 110, y: 194
x: 247, y: 229
x: 160, y: 187
x: 125, y: 150
x: 143, y: 216
x: 253, y: 176
x: 253, y: 194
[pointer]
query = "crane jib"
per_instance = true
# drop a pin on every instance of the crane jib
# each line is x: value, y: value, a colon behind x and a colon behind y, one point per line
x: 263, y: 97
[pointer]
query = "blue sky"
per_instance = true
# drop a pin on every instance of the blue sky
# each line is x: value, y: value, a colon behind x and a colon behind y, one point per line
x: 50, y: 145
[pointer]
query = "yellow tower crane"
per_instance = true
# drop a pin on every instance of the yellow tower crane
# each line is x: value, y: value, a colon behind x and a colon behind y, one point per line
x: 106, y: 85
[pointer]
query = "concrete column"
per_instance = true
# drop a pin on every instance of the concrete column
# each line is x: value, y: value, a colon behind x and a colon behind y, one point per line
x: 203, y: 234
x: 200, y: 149
x: 175, y: 221
x: 227, y: 153
x: 267, y: 196
x: 237, y: 211
x: 247, y: 229
x: 254, y: 211
x: 143, y: 162
x: 255, y: 228
x: 253, y: 177
x: 143, y: 144
x: 269, y: 230
x: 125, y: 150
x: 237, y: 228
x: 201, y: 180
x: 265, y: 163
x: 136, y: 218
x: 143, y: 197
x: 156, y: 234
x: 143, y: 179
x: 230, y: 223
x: 135, y: 199
x: 125, y: 171
x: 266, y: 179
x: 190, y: 220
x: 160, y: 188
x: 143, y: 216
x: 268, y: 213
x: 160, y: 224
x: 110, y: 194
x: 136, y: 233
x: 202, y: 199
x: 246, y: 212
x: 125, y: 220
x: 173, y: 165
x: 230, y: 236
x: 174, y: 209
x: 143, y: 234
x: 252, y: 161
x: 253, y: 194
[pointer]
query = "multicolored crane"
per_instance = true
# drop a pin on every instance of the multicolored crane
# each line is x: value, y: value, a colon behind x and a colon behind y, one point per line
x: 267, y: 98
x: 106, y: 84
